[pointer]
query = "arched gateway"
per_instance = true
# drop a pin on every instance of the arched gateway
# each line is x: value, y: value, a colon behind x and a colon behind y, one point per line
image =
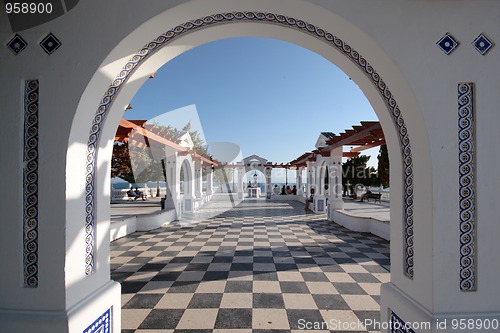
x: 60, y: 280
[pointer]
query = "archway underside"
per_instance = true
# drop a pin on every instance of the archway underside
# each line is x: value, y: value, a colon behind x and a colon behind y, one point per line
x: 268, y: 18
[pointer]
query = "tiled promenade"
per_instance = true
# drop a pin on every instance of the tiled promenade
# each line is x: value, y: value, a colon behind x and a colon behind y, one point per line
x: 258, y: 267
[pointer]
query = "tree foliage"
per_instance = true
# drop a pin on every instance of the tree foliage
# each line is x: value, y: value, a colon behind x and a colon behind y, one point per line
x: 172, y: 133
x: 383, y: 166
x: 137, y: 164
x: 198, y: 143
x: 121, y: 165
x: 355, y: 171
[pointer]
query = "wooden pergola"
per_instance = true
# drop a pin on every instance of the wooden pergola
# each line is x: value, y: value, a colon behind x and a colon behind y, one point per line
x: 142, y: 135
x: 365, y: 136
x: 368, y: 134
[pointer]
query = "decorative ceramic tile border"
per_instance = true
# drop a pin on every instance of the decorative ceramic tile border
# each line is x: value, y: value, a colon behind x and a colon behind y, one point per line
x: 398, y: 325
x: 101, y: 324
x: 268, y: 18
x: 467, y: 183
x: 30, y: 184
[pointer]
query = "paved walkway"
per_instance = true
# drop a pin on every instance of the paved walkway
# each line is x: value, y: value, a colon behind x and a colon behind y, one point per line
x: 259, y: 267
x: 223, y: 201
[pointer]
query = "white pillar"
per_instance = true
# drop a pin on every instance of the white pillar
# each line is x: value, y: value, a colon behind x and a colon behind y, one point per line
x: 299, y: 182
x: 319, y: 198
x: 241, y: 173
x: 335, y: 201
x: 198, y: 179
x: 63, y: 284
x: 210, y: 180
x: 310, y: 177
x: 321, y: 165
x: 189, y: 186
x: 172, y: 169
x: 269, y: 189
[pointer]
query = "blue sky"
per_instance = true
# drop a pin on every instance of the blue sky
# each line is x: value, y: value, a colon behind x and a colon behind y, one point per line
x: 270, y: 97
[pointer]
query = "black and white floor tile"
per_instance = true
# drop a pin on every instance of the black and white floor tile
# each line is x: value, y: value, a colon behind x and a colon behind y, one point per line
x: 259, y: 267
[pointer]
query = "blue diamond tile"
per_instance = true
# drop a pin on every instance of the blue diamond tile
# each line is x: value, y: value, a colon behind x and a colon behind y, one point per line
x: 50, y: 43
x: 448, y: 44
x: 17, y: 44
x: 482, y: 44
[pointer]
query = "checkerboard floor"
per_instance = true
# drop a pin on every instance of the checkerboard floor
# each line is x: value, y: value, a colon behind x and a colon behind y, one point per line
x: 259, y: 267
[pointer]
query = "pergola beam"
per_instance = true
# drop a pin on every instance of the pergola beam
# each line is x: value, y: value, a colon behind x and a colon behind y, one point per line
x: 368, y: 146
x: 367, y: 135
x: 125, y: 134
x: 353, y: 137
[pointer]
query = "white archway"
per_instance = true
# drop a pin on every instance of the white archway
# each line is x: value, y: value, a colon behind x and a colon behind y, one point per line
x: 132, y: 70
x: 185, y: 177
x: 53, y: 97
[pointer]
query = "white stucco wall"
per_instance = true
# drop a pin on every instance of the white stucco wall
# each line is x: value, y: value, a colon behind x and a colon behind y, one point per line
x: 397, y: 37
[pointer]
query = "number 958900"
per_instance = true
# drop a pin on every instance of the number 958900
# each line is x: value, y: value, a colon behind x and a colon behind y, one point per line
x: 28, y: 8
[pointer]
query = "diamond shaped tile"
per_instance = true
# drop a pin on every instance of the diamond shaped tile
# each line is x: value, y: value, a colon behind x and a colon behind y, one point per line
x: 482, y: 44
x: 447, y: 44
x: 17, y: 44
x: 50, y: 43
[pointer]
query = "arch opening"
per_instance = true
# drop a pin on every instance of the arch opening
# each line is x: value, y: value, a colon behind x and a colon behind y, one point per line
x: 333, y: 42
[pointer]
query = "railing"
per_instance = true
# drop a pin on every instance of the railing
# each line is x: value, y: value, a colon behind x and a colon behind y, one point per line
x: 117, y: 195
x: 121, y: 194
x: 152, y: 192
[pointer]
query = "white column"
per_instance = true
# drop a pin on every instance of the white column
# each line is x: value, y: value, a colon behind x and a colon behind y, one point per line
x: 210, y: 180
x: 310, y: 178
x: 172, y: 169
x: 319, y: 198
x: 241, y: 173
x: 189, y: 187
x: 54, y: 289
x: 198, y: 179
x: 335, y: 201
x: 320, y: 175
x: 269, y: 189
x: 299, y: 182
